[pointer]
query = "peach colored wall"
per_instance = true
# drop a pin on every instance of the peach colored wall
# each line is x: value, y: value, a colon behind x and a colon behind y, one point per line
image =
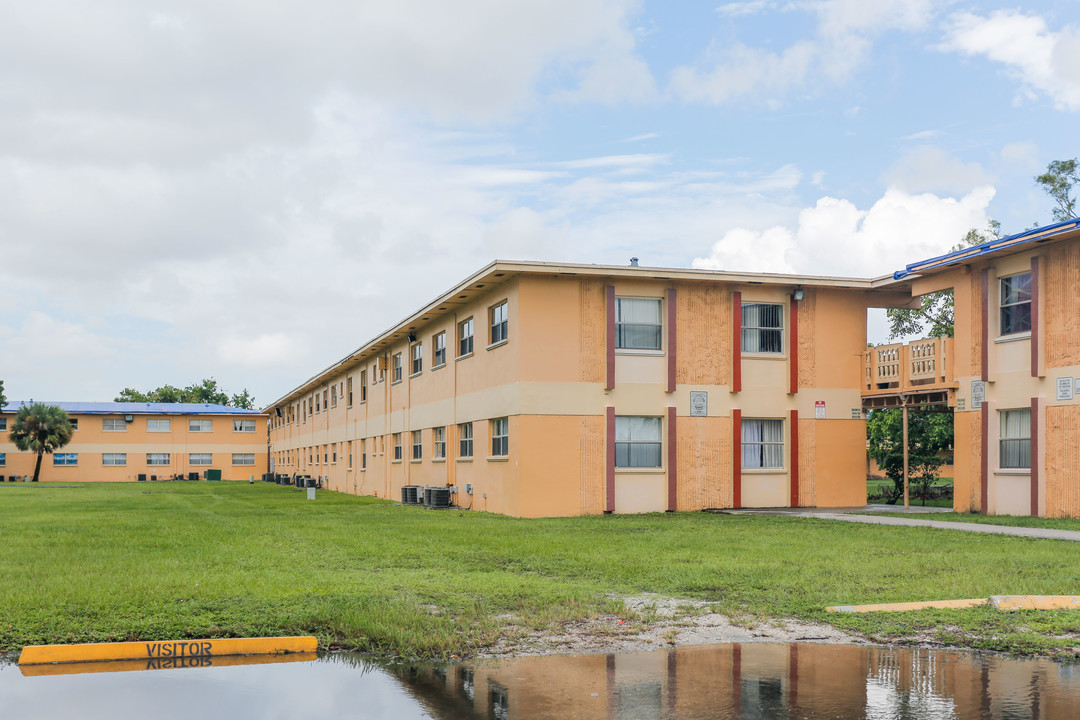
x: 704, y: 330
x: 90, y: 441
x: 704, y: 458
x: 838, y: 479
x: 1062, y: 461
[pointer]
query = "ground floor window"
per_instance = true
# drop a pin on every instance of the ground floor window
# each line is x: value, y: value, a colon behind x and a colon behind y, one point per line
x: 65, y: 459
x: 3, y: 459
x: 439, y: 439
x: 114, y: 459
x: 200, y: 458
x: 465, y: 440
x: 762, y: 443
x: 500, y: 437
x: 157, y: 458
x: 417, y: 444
x: 638, y: 442
x: 1016, y: 438
x: 243, y: 459
x: 397, y: 446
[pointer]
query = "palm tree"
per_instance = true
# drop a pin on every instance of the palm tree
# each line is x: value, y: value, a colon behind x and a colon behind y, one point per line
x: 41, y: 429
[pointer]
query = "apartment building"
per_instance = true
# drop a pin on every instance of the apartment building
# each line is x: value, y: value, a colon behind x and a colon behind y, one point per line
x: 540, y: 389
x: 116, y: 442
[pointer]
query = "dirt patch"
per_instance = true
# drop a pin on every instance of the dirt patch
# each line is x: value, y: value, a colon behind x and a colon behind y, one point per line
x: 655, y: 622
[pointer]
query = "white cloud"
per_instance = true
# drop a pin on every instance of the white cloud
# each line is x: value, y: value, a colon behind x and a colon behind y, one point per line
x: 930, y: 169
x: 1045, y: 62
x: 844, y: 33
x: 1025, y: 155
x: 923, y: 135
x: 836, y: 238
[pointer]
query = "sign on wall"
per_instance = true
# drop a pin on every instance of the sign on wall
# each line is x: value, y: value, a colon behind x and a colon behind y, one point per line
x: 819, y: 410
x: 978, y: 394
x: 699, y: 403
x: 1065, y: 388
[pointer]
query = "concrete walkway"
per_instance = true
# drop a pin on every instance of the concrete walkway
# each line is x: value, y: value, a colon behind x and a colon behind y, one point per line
x: 859, y: 515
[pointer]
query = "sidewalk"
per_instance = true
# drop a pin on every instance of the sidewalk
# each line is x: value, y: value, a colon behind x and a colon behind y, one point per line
x: 857, y: 514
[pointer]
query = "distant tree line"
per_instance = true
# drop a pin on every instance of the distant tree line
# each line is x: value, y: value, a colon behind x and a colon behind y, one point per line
x: 206, y: 391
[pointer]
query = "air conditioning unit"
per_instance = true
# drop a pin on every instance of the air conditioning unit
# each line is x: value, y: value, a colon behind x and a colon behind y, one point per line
x: 437, y: 497
x: 411, y: 495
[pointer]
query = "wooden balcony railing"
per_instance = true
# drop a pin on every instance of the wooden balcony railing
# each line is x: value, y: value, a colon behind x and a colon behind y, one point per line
x: 918, y: 365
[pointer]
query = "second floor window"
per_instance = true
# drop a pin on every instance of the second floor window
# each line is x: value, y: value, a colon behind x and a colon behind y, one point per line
x: 1016, y: 304
x: 465, y: 337
x: 500, y: 318
x: 762, y: 328
x: 438, y: 357
x: 417, y: 358
x: 396, y: 369
x: 637, y: 324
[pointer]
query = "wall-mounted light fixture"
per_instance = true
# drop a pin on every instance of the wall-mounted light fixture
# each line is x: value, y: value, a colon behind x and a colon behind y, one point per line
x: 129, y: 418
x: 798, y: 295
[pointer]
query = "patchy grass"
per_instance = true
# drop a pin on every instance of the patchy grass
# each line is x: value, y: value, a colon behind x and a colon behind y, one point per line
x: 116, y: 562
x: 1013, y: 520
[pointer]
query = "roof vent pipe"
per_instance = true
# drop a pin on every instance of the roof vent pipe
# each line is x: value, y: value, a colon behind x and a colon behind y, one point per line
x: 633, y: 262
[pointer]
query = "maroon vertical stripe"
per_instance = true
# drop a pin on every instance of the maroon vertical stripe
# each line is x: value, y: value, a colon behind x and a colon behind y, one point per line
x: 610, y: 468
x: 736, y: 341
x: 672, y: 462
x: 736, y: 679
x: 736, y: 458
x: 793, y: 676
x: 1034, y: 441
x: 671, y: 338
x: 794, y: 458
x: 610, y: 381
x: 609, y: 666
x: 672, y: 683
x: 985, y: 350
x: 793, y: 348
x: 984, y: 461
x: 1035, y: 370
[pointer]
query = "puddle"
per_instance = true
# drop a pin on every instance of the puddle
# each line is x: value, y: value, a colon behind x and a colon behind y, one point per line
x: 759, y: 680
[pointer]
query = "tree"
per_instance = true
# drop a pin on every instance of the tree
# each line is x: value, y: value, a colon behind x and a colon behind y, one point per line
x: 929, y: 434
x: 206, y: 391
x: 3, y: 398
x: 1058, y: 181
x: 40, y: 429
x: 935, y: 317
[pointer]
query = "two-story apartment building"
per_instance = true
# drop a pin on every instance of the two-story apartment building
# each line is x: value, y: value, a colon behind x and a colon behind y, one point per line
x: 132, y: 441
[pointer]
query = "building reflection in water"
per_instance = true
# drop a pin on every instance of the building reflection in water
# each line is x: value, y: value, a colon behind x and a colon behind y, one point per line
x: 760, y: 680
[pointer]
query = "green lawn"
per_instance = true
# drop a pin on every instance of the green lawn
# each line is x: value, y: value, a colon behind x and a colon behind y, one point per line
x: 141, y: 561
x: 875, y: 485
x: 1014, y: 520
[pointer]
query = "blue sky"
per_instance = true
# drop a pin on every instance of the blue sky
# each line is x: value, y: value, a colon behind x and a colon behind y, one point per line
x: 250, y: 191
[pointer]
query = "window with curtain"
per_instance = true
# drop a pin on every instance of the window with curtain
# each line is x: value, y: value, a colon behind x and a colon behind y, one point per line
x: 762, y: 443
x: 1015, y: 438
x: 638, y: 442
x: 1016, y: 304
x: 762, y: 328
x: 638, y: 324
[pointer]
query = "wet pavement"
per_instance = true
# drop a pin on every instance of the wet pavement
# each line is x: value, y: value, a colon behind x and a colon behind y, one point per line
x: 763, y: 680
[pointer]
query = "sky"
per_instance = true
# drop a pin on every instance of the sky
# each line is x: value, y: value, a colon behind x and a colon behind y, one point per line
x: 250, y: 191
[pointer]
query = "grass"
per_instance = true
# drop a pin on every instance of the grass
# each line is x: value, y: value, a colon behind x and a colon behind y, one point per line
x: 1013, y: 520
x: 875, y: 486
x: 115, y: 562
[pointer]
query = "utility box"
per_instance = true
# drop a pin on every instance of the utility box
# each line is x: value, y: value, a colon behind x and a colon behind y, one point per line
x: 213, y: 475
x: 311, y: 493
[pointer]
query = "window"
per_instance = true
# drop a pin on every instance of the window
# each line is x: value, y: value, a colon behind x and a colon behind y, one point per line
x: 363, y: 386
x: 762, y: 443
x: 335, y: 449
x: 363, y: 453
x: 638, y: 442
x: 417, y: 444
x: 350, y: 454
x: 157, y: 459
x: 318, y: 404
x: 500, y: 437
x: 348, y: 389
x: 333, y: 396
x: 158, y: 425
x: 74, y: 422
x: 397, y: 446
x: 3, y: 423
x: 438, y: 436
x: 202, y: 425
x: 243, y: 426
x: 111, y: 425
x: 65, y: 459
x: 1016, y: 438
x: 243, y: 458
x: 637, y: 324
x: 499, y: 322
x: 1016, y: 304
x: 762, y: 328
x: 3, y: 459
x: 438, y: 357
x: 465, y: 440
x: 396, y: 376
x: 465, y: 337
x: 200, y: 458
x: 417, y: 358
x: 324, y: 400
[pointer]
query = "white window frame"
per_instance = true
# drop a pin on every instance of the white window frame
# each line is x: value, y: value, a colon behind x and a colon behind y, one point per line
x: 242, y: 459
x: 760, y: 454
x: 438, y: 350
x: 499, y: 320
x: 465, y: 440
x: 200, y: 425
x: 417, y: 445
x: 438, y: 443
x: 112, y: 425
x: 622, y: 326
x: 158, y: 459
x: 114, y: 459
x: 241, y: 425
x: 465, y: 330
x: 417, y: 365
x: 632, y: 434
x: 398, y: 450
x: 65, y: 459
x: 208, y: 457
x: 395, y: 368
x: 1014, y: 434
x: 752, y: 331
x: 158, y: 425
x: 500, y: 437
x: 1004, y: 307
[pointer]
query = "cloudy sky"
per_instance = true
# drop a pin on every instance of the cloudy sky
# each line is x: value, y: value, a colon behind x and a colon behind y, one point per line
x: 250, y: 190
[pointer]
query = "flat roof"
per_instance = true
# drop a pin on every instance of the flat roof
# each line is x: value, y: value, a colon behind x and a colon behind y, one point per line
x: 500, y: 271
x: 135, y: 408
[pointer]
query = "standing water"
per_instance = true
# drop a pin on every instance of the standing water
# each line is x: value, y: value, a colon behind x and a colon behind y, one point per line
x: 760, y: 680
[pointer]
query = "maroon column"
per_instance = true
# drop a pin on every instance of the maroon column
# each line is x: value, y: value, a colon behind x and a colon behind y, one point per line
x: 672, y: 462
x: 793, y: 348
x: 736, y: 458
x: 671, y: 339
x: 984, y: 462
x: 736, y: 341
x: 794, y: 458
x: 610, y: 381
x: 1035, y: 466
x: 609, y: 472
x: 1035, y: 339
x: 985, y: 350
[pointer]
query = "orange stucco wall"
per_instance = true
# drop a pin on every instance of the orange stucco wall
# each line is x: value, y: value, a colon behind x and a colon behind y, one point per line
x: 90, y: 441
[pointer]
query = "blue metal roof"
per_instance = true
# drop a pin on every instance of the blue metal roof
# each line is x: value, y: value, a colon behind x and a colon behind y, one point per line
x: 955, y: 258
x: 136, y: 408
